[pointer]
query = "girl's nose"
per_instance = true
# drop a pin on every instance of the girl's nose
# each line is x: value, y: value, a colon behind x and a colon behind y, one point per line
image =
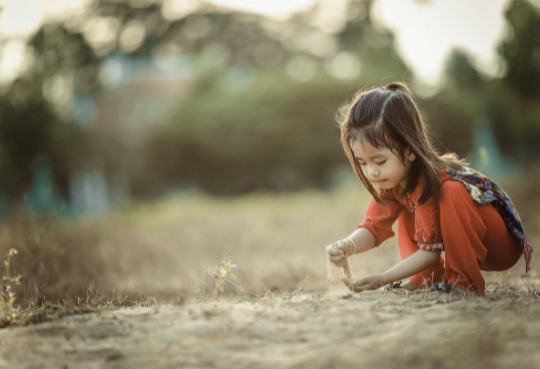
x: 373, y: 171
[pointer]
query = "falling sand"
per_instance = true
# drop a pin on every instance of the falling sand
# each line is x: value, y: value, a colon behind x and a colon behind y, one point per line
x: 333, y: 278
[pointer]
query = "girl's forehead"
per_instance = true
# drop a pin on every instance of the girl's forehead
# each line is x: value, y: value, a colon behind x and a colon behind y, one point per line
x: 365, y: 149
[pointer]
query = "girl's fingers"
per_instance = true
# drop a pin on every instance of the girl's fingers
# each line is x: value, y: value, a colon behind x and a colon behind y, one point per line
x: 335, y: 252
x: 360, y: 287
x: 333, y: 249
x: 347, y: 282
x: 350, y: 283
x: 356, y: 285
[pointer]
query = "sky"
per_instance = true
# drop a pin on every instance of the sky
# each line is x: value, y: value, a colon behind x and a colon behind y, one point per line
x: 426, y: 30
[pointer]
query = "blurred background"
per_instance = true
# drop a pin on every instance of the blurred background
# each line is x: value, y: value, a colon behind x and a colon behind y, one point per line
x: 135, y: 134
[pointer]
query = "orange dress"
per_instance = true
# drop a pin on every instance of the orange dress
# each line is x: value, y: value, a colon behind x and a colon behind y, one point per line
x: 473, y: 237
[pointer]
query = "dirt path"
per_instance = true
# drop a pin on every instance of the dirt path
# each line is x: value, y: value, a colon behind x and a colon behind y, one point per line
x: 372, y: 330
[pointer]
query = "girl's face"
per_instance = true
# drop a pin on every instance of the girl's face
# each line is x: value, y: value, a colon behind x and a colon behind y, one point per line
x: 382, y: 166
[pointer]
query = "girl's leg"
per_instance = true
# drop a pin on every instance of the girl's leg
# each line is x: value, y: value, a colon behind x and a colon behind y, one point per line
x: 503, y: 247
x: 462, y: 232
x: 473, y: 236
x: 407, y: 247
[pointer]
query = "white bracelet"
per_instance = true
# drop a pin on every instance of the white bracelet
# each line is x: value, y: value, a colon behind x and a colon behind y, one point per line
x: 354, y: 245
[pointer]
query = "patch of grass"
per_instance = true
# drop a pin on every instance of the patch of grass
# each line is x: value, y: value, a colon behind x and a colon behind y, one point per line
x: 49, y: 311
x: 162, y: 252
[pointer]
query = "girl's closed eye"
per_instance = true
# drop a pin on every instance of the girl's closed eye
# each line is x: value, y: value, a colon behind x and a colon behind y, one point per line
x: 381, y: 162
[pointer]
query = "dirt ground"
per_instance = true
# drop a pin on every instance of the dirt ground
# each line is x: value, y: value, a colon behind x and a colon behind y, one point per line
x: 166, y: 251
x: 376, y: 329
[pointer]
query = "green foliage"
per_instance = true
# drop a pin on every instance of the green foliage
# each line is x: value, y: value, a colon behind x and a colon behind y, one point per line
x: 34, y: 127
x: 60, y: 51
x: 223, y: 273
x: 26, y: 132
x: 508, y: 103
x: 373, y: 44
x: 279, y: 136
x: 460, y: 70
x: 516, y: 112
x: 450, y: 113
x: 276, y: 135
x: 49, y: 311
x: 521, y: 51
x: 8, y: 313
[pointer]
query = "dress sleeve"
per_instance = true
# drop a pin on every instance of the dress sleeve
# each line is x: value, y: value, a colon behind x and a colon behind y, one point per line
x: 428, y: 229
x: 380, y: 218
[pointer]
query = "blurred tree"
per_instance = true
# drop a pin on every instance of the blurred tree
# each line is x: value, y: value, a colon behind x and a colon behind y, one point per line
x: 450, y: 113
x: 508, y: 103
x: 468, y: 98
x: 460, y: 71
x: 521, y: 50
x: 259, y: 115
x: 278, y: 132
x: 449, y: 121
x: 518, y: 127
x: 63, y: 62
x: 35, y: 110
x: 28, y: 130
x: 373, y: 43
x: 153, y: 29
x: 276, y: 137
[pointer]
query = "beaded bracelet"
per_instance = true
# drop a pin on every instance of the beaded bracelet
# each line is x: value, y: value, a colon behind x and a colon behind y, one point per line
x: 354, y: 245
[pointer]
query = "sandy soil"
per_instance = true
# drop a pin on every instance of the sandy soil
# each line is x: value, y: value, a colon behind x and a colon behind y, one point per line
x: 378, y: 329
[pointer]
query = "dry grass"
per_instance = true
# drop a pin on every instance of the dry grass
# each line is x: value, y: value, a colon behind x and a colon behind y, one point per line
x: 164, y: 250
x: 161, y: 252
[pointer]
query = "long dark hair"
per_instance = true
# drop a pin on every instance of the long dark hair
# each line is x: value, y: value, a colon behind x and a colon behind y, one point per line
x: 389, y: 117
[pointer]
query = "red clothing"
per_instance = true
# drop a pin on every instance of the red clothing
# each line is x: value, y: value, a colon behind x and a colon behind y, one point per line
x: 473, y: 237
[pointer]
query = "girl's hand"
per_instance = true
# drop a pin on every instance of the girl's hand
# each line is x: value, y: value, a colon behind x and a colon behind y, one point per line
x: 369, y: 282
x: 338, y: 252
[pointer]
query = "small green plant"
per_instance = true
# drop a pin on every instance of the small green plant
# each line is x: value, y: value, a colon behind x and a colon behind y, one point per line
x: 223, y: 273
x: 8, y: 313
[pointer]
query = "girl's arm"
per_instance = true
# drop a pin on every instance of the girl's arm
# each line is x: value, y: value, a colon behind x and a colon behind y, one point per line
x: 414, y: 264
x: 363, y: 240
x: 339, y: 251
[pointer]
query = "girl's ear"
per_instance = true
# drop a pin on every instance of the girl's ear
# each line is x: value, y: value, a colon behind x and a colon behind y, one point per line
x: 409, y: 155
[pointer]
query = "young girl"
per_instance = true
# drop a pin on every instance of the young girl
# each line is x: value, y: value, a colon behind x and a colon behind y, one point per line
x: 440, y: 204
